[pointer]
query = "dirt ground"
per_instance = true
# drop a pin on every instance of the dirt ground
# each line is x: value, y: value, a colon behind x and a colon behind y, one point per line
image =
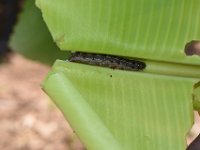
x: 28, y: 119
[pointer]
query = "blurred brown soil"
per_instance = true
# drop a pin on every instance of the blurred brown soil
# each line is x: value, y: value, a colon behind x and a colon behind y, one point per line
x: 28, y: 119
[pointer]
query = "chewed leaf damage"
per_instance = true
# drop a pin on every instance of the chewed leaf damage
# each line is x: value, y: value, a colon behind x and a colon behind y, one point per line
x: 192, y: 48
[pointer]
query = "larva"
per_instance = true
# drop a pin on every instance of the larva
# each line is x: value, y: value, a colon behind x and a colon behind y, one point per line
x: 110, y: 61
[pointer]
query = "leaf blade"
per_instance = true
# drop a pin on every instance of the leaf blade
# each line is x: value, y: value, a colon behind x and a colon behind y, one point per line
x: 155, y: 118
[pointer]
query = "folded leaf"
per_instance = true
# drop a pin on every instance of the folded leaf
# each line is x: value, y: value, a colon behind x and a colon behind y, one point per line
x: 31, y: 37
x: 113, y: 109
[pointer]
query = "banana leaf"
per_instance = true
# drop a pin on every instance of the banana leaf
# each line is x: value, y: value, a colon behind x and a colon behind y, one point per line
x: 114, y: 109
x: 149, y: 29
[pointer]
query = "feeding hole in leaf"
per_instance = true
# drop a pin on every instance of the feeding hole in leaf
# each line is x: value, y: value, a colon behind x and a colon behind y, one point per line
x: 109, y: 61
x: 192, y: 48
x: 193, y: 136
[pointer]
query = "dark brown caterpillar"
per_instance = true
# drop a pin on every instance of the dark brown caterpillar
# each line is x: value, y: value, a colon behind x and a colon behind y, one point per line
x: 113, y: 62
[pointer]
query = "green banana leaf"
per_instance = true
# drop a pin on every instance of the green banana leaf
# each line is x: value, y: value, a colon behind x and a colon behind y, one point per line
x: 31, y: 37
x: 113, y: 109
x: 149, y: 29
